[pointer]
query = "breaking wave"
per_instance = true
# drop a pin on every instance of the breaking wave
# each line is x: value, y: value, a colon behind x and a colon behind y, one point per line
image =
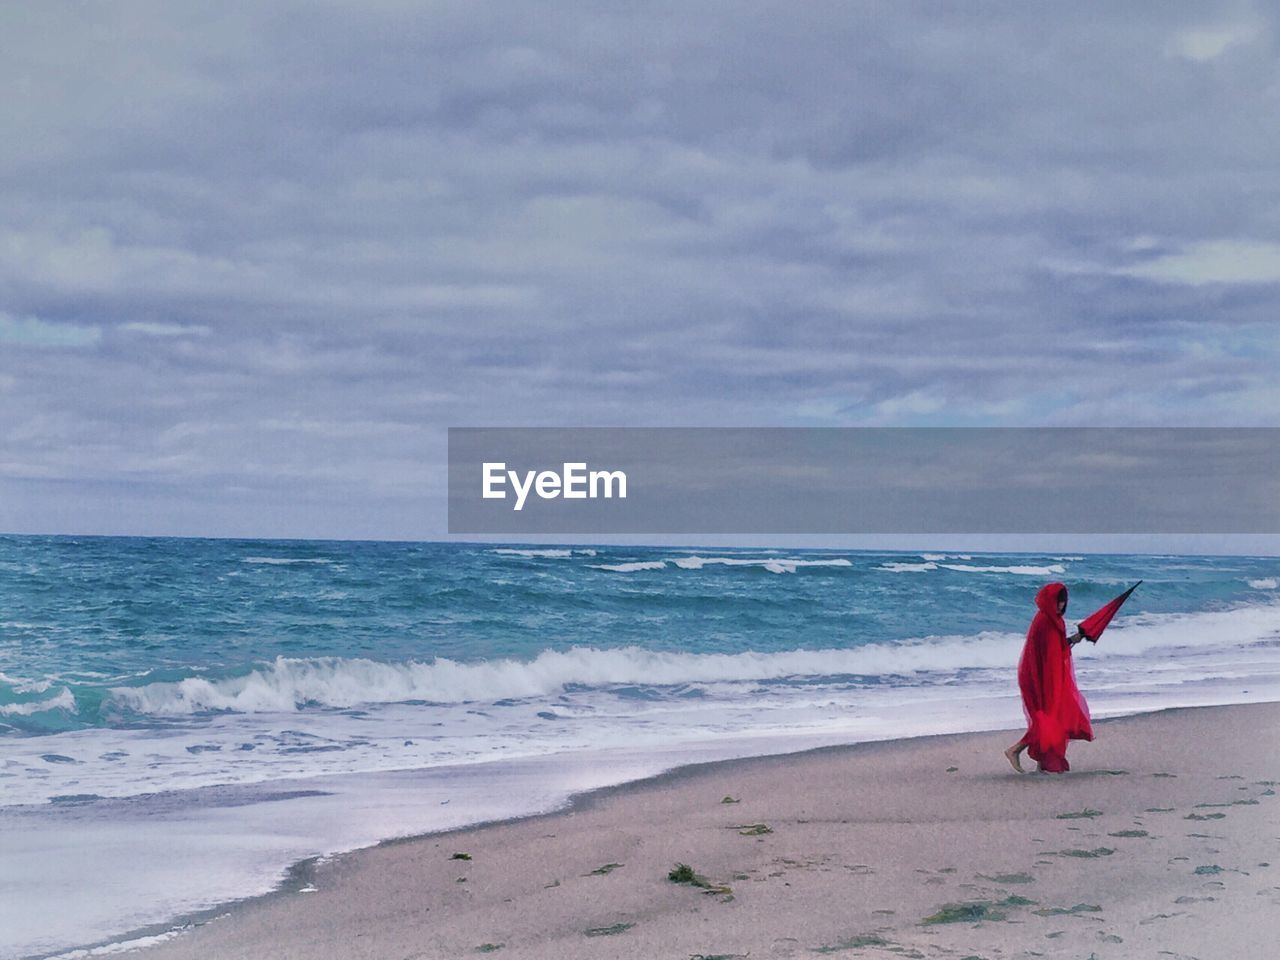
x: 1025, y: 571
x: 63, y: 700
x: 544, y: 553
x: 288, y: 684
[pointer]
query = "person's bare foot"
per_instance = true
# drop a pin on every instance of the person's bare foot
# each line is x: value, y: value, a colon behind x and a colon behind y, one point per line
x: 1014, y: 756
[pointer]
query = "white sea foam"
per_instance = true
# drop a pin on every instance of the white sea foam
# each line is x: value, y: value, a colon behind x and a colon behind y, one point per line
x: 63, y: 700
x: 113, y: 949
x: 288, y: 684
x: 933, y: 564
x: 29, y: 686
x: 772, y: 564
x: 284, y: 561
x: 547, y: 553
x: 1026, y: 571
x: 1266, y: 583
x: 945, y: 556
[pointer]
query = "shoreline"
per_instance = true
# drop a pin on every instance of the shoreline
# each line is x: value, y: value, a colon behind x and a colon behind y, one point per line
x: 302, y: 872
x: 326, y: 874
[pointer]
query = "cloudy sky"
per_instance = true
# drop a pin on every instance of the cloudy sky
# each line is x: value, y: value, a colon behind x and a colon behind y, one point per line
x: 255, y: 258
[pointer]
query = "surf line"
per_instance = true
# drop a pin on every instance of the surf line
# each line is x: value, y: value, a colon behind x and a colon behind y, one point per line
x: 574, y: 482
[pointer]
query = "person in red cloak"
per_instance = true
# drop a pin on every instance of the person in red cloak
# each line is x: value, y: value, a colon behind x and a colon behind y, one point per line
x: 1056, y: 712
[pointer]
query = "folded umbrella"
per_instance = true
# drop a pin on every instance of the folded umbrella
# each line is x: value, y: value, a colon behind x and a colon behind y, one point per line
x: 1092, y: 626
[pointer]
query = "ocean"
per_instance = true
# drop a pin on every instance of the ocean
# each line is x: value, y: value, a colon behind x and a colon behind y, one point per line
x: 183, y: 719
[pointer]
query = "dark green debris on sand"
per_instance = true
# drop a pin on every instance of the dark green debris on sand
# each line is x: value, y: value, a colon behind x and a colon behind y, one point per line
x: 975, y: 911
x: 608, y: 931
x: 1009, y: 878
x: 1068, y: 911
x: 683, y: 873
x: 853, y: 943
x: 964, y: 913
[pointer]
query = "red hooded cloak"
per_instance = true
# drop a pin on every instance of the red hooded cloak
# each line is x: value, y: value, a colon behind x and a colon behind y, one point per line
x: 1056, y: 712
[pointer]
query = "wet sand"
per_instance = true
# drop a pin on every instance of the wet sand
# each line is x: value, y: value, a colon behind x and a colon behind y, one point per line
x: 1163, y: 841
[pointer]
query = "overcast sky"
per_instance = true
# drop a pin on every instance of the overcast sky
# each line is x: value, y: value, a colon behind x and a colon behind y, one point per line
x: 255, y: 258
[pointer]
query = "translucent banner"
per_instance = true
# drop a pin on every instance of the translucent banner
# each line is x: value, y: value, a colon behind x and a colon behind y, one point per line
x: 864, y: 480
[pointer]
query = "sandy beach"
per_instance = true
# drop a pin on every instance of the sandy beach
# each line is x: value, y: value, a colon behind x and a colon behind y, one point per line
x: 1164, y: 841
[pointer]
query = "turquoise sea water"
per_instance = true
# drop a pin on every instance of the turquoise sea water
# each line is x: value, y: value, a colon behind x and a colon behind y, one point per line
x: 132, y: 669
x: 116, y: 632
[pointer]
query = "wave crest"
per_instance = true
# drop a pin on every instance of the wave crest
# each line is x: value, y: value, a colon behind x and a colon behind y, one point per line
x: 288, y: 684
x: 547, y: 553
x: 62, y: 700
x: 1017, y: 570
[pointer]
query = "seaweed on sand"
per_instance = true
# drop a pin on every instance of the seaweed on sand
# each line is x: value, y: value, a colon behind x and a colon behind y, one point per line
x: 1003, y: 878
x: 1068, y: 911
x: 1087, y: 813
x: 853, y: 943
x: 609, y: 931
x: 974, y: 911
x: 683, y: 873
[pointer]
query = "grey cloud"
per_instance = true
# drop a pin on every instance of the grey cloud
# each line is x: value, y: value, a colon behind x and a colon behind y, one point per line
x: 376, y: 220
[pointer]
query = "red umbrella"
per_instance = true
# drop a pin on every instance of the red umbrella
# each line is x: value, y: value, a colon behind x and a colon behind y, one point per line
x: 1092, y: 626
